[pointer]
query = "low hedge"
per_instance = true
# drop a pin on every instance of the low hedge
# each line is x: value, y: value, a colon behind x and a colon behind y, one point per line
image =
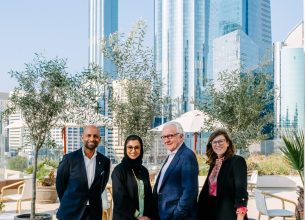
x: 274, y: 164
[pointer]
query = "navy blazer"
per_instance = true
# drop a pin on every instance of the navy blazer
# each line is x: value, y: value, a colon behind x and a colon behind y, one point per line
x: 72, y: 186
x: 178, y: 192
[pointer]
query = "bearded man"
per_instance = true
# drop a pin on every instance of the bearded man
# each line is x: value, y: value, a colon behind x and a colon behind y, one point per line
x: 81, y: 178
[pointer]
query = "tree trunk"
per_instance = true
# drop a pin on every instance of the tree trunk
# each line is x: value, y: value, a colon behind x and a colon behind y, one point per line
x: 33, y: 202
x: 299, y: 210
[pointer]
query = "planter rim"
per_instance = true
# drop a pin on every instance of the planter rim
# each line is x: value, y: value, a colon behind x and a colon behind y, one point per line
x: 43, y: 216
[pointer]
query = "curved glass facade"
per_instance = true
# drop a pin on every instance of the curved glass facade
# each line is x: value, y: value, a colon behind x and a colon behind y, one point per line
x: 292, y: 87
x: 179, y: 46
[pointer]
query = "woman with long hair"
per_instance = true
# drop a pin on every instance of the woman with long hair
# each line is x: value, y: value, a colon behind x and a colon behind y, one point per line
x: 224, y: 194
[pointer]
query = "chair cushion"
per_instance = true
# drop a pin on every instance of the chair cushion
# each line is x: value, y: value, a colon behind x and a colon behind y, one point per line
x: 280, y: 212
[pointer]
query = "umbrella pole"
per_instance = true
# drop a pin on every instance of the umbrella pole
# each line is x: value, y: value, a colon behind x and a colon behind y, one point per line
x: 64, y: 137
x: 195, y: 142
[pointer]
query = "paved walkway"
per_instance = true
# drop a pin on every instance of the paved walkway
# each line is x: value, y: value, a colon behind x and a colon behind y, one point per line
x: 10, y: 207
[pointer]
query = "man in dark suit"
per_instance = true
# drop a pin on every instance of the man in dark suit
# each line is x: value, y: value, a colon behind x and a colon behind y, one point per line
x: 176, y: 187
x: 81, y: 178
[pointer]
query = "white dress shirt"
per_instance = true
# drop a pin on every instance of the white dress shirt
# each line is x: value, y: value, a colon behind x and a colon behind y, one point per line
x: 90, y: 164
x: 171, y: 156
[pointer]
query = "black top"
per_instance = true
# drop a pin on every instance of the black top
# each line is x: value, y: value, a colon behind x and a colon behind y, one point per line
x: 231, y: 191
x: 125, y: 192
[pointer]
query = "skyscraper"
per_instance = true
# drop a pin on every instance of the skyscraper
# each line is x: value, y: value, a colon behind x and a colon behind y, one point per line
x: 289, y: 71
x: 103, y: 20
x: 179, y: 46
x: 195, y: 40
x: 241, y: 28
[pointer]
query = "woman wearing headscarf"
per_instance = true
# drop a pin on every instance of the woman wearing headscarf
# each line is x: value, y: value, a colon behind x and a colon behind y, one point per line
x: 224, y: 194
x: 132, y: 194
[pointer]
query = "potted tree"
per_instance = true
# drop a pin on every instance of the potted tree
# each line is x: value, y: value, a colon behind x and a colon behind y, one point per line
x: 47, y: 96
x: 293, y: 151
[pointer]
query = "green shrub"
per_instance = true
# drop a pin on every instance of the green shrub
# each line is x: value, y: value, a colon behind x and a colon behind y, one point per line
x: 45, y: 168
x: 17, y: 163
x: 293, y: 150
x: 274, y: 164
x: 203, y: 166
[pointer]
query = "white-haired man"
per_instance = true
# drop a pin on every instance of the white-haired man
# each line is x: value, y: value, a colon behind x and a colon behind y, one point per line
x: 176, y: 187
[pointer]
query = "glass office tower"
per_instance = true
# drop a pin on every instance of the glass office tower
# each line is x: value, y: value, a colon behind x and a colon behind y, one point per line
x: 289, y: 78
x: 195, y: 40
x: 103, y: 20
x: 252, y: 21
x: 179, y: 50
x: 234, y: 51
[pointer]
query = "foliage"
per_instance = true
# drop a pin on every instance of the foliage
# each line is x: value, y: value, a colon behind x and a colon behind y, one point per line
x: 17, y: 163
x: 241, y: 103
x: 269, y: 165
x: 88, y: 88
x: 45, y: 172
x: 265, y: 165
x: 293, y: 150
x: 1, y: 206
x: 136, y: 94
x: 48, y: 97
x: 203, y: 166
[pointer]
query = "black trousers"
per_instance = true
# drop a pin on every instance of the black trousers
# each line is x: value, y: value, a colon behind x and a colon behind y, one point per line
x: 211, y: 208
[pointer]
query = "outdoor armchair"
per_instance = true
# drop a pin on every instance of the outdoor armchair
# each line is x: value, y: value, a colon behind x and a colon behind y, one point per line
x: 24, y: 192
x: 261, y: 205
x: 252, y: 182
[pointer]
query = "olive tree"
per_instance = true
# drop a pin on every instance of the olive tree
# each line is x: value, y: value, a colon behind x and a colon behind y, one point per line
x: 242, y: 103
x: 47, y: 97
x: 136, y: 94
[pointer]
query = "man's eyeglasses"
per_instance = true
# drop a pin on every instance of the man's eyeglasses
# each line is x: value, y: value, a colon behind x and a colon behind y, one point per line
x: 220, y: 142
x: 169, y: 136
x: 136, y: 148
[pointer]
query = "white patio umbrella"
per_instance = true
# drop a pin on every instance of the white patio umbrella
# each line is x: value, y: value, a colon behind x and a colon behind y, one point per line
x: 192, y: 121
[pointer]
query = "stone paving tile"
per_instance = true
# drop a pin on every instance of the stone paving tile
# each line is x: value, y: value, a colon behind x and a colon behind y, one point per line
x: 10, y: 207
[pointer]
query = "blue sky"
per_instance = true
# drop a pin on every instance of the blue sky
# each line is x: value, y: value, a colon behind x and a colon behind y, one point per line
x: 60, y: 28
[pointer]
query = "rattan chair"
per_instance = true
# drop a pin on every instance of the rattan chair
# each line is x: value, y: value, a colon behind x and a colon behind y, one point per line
x: 24, y: 192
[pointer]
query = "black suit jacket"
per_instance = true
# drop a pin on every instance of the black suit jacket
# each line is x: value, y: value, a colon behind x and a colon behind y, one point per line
x: 72, y: 186
x: 231, y: 190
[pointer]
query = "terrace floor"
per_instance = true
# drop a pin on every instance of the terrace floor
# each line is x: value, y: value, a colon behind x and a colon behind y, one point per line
x: 289, y: 193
